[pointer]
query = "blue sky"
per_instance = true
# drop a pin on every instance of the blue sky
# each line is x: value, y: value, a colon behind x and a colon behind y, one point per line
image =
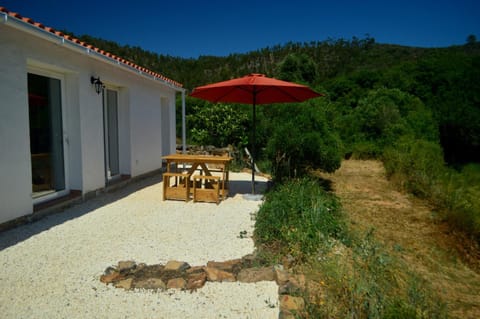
x: 221, y: 27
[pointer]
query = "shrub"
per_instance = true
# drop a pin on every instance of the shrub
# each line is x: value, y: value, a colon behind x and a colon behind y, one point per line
x: 416, y: 163
x: 297, y: 217
x: 218, y: 125
x: 458, y: 195
x: 299, y: 138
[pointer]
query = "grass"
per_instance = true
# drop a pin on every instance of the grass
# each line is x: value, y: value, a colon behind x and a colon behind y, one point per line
x: 350, y: 274
x: 417, y: 167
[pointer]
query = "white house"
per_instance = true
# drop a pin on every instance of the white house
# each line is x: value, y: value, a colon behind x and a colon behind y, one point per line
x: 73, y: 118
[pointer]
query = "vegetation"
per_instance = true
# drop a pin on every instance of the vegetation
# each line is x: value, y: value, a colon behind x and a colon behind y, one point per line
x: 219, y: 125
x: 301, y: 219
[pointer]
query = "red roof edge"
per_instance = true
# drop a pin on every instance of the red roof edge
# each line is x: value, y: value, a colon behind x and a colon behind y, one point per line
x: 89, y: 46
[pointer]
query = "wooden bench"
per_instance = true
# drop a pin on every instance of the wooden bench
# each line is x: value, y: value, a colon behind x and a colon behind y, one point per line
x: 211, y: 190
x: 180, y: 189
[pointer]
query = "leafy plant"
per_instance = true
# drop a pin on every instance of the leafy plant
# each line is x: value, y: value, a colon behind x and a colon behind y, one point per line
x: 297, y: 217
x: 300, y: 138
x: 218, y: 125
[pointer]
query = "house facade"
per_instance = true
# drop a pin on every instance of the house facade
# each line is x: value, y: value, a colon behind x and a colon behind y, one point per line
x: 74, y: 118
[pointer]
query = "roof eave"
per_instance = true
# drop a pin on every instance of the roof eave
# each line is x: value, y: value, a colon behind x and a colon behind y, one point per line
x: 58, y: 38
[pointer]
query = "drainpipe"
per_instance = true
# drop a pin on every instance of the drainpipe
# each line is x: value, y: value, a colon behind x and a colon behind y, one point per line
x: 184, y: 129
x: 5, y: 17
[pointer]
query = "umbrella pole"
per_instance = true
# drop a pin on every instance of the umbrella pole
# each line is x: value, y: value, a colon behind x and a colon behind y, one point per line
x: 254, y: 151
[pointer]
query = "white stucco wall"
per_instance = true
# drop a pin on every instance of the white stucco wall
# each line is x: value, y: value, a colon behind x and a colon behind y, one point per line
x: 15, y: 171
x: 140, y: 117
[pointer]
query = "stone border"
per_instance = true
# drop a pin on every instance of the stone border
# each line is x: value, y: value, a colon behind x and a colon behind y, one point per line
x: 174, y: 274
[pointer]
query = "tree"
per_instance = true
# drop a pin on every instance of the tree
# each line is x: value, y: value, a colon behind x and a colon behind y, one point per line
x: 217, y: 124
x: 299, y: 68
x: 471, y: 39
x: 300, y: 138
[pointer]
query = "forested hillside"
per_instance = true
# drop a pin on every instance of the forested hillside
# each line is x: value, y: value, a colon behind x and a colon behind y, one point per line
x: 446, y: 80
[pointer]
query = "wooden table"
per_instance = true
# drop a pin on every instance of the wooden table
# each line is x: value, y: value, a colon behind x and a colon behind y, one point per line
x: 200, y: 163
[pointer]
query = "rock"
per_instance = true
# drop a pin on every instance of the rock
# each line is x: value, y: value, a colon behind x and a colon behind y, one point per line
x: 289, y: 288
x: 174, y: 265
x: 298, y: 280
x: 125, y: 266
x: 110, y: 270
x: 178, y: 283
x: 256, y: 274
x: 291, y: 304
x: 196, y: 280
x: 232, y: 266
x: 125, y: 284
x: 151, y: 283
x: 249, y: 260
x: 195, y: 270
x: 140, y: 266
x: 114, y: 276
x: 281, y: 276
x: 214, y: 274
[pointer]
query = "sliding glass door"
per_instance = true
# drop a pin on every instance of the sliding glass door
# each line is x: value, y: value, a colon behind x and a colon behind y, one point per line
x: 110, y: 115
x: 46, y: 135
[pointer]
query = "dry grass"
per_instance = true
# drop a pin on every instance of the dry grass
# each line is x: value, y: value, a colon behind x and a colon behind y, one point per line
x: 409, y: 230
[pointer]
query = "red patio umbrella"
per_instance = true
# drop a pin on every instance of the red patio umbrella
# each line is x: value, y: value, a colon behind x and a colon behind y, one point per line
x: 254, y: 89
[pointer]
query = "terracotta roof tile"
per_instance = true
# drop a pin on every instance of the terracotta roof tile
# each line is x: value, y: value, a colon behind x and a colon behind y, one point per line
x: 89, y: 46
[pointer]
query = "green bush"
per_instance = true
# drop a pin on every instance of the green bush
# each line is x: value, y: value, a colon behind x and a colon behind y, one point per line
x: 458, y: 194
x: 218, y: 124
x: 416, y: 163
x: 366, y: 150
x: 381, y: 117
x: 300, y: 138
x: 298, y: 217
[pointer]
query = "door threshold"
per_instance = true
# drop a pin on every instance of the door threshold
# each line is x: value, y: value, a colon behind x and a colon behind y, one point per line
x: 57, y: 203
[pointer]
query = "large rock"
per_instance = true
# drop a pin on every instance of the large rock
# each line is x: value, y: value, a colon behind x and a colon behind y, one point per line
x: 281, y: 276
x: 195, y: 270
x: 196, y: 280
x: 125, y: 284
x: 109, y: 278
x: 256, y: 274
x: 178, y: 283
x: 232, y: 266
x: 174, y: 265
x: 151, y: 283
x: 214, y: 274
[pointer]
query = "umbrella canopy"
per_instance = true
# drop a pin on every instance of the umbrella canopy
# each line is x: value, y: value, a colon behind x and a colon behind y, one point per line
x: 254, y: 89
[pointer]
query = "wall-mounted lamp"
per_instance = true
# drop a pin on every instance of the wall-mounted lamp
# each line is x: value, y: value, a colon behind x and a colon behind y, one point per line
x: 98, y: 84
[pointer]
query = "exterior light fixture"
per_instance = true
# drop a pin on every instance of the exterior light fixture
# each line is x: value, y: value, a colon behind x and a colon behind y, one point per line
x: 98, y: 84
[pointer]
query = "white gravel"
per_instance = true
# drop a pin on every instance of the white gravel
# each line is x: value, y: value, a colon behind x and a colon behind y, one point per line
x: 51, y: 268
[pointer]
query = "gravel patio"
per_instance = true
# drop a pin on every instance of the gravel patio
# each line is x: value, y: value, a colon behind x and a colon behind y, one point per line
x: 51, y: 268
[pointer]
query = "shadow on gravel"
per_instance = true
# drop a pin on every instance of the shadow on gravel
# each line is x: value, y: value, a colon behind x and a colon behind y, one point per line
x: 23, y: 232
x: 245, y: 187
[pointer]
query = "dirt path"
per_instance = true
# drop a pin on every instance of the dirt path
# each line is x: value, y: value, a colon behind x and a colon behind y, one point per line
x: 407, y: 227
